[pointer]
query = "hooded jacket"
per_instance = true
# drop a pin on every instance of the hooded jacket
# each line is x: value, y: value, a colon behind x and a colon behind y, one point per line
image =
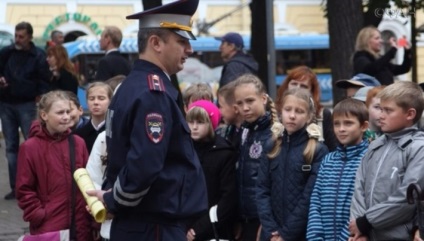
x: 237, y: 66
x: 379, y: 203
x: 43, y: 184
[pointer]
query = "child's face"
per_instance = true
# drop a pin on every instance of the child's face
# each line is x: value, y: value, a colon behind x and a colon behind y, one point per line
x: 351, y: 91
x: 250, y: 104
x: 348, y: 130
x: 228, y: 112
x: 393, y: 118
x: 98, y: 101
x: 295, y: 114
x: 199, y: 130
x: 374, y: 111
x: 75, y: 114
x: 57, y: 118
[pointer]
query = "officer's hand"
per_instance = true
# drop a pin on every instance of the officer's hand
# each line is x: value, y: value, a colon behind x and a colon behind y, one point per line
x: 3, y: 82
x: 98, y: 193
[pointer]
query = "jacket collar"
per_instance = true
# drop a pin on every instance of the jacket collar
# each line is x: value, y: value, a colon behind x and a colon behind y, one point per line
x: 261, y: 123
x: 401, y: 138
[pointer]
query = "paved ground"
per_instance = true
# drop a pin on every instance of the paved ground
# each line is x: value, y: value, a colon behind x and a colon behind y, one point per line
x: 11, y: 223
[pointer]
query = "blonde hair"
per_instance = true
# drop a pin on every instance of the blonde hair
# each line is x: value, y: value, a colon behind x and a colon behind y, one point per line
x: 199, y: 114
x: 305, y: 95
x: 276, y: 126
x: 197, y: 91
x: 405, y: 94
x: 227, y: 92
x: 101, y: 85
x: 47, y: 101
x: 363, y: 38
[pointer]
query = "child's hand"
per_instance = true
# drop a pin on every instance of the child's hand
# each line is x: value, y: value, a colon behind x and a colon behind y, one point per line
x: 353, y: 229
x: 191, y: 235
x: 417, y: 236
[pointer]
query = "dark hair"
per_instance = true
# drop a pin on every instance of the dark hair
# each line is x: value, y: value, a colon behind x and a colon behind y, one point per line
x: 54, y: 33
x: 144, y: 35
x: 25, y: 26
x: 351, y: 107
x: 73, y: 98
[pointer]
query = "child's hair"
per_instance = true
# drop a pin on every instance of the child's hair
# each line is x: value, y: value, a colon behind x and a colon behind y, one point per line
x: 351, y: 107
x: 405, y: 94
x: 73, y: 98
x: 99, y: 84
x: 199, y: 114
x: 197, y: 91
x: 276, y: 128
x: 47, y: 101
x: 373, y: 93
x: 115, y: 81
x: 227, y: 92
x: 305, y: 95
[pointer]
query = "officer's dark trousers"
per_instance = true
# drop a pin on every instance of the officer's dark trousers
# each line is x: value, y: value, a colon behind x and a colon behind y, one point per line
x: 146, y: 230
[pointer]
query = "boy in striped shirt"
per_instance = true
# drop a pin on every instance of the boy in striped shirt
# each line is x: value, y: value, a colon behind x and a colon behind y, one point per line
x: 331, y: 198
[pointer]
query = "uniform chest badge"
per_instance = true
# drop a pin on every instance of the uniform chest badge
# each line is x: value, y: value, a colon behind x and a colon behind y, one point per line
x: 255, y: 150
x: 154, y: 127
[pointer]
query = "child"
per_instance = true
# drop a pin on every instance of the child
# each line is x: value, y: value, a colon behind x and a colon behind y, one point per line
x: 43, y: 185
x: 379, y: 209
x: 96, y: 165
x: 333, y: 190
x: 98, y: 99
x: 76, y: 114
x: 217, y: 158
x: 374, y: 111
x: 197, y: 91
x: 286, y: 179
x: 260, y: 116
x: 231, y: 131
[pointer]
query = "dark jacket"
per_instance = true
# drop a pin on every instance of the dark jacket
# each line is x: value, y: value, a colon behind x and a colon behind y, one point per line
x: 285, y: 186
x: 65, y: 81
x: 152, y: 165
x: 382, y: 69
x: 112, y: 64
x: 218, y: 162
x: 253, y: 151
x: 238, y: 65
x: 26, y: 72
x: 89, y: 134
x: 43, y: 184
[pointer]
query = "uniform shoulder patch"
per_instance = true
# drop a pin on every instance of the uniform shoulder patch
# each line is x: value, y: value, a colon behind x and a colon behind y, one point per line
x: 154, y: 127
x: 155, y: 83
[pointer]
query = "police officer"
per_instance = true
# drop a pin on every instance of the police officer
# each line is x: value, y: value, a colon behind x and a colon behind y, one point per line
x: 154, y: 181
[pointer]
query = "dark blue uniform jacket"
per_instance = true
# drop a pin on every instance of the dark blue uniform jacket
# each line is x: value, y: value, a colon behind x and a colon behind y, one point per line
x: 152, y: 165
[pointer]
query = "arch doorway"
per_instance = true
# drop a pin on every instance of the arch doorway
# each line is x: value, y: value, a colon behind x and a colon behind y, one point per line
x: 73, y: 35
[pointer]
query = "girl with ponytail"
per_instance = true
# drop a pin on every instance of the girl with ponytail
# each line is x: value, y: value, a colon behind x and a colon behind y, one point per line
x: 287, y: 177
x: 260, y: 121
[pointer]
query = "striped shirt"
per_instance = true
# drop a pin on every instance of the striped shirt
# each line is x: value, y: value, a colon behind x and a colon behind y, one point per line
x: 330, y: 201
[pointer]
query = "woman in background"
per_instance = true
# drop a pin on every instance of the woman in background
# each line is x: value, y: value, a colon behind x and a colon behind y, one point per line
x: 63, y: 71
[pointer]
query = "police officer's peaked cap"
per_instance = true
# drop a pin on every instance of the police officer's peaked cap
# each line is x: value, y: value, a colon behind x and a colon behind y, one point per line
x: 175, y: 16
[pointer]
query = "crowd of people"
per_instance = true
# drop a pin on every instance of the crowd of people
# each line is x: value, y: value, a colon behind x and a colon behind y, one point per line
x: 244, y: 167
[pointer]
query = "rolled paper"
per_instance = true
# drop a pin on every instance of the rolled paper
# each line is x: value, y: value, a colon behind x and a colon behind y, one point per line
x: 85, y: 183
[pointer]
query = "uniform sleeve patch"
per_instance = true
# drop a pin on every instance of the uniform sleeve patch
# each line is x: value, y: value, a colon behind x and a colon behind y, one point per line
x: 155, y: 83
x: 154, y: 127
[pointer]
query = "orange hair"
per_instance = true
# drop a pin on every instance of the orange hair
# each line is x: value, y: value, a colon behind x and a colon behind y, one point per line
x: 373, y: 93
x: 62, y: 59
x: 300, y: 73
